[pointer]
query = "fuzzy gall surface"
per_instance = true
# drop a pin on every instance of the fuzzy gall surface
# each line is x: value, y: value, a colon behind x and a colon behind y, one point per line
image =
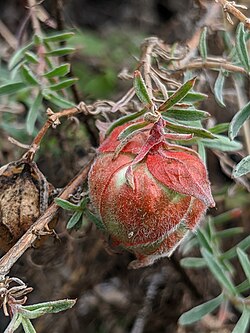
x: 169, y: 196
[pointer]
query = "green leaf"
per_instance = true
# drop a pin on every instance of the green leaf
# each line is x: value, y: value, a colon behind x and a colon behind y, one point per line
x: 202, y: 151
x: 58, y: 71
x: 27, y: 326
x: 243, y: 245
x: 33, y: 113
x: 193, y: 262
x: 54, y: 98
x: 177, y: 96
x: 218, y: 89
x: 191, y: 97
x: 227, y: 216
x: 203, y: 44
x: 53, y: 306
x: 186, y: 114
x: 93, y: 218
x: 141, y: 89
x: 31, y: 57
x: 18, y: 56
x: 124, y: 120
x: 243, y: 322
x: 60, y: 52
x: 32, y: 314
x: 243, y: 286
x: 67, y: 205
x: 132, y: 128
x: 37, y: 40
x: 222, y: 143
x: 14, y: 324
x: 203, y: 240
x: 242, y: 168
x: 238, y: 120
x: 245, y: 262
x: 241, y: 46
x: 200, y: 311
x: 63, y: 84
x: 228, y: 232
x: 219, y: 128
x: 29, y: 76
x: 218, y: 271
x: 59, y: 37
x: 11, y: 88
x: 200, y: 132
x: 75, y: 218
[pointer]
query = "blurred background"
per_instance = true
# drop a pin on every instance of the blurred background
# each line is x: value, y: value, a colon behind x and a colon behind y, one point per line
x: 111, y: 298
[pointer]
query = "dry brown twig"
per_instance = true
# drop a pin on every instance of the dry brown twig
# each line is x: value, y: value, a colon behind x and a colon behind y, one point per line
x: 230, y: 7
x: 37, y: 229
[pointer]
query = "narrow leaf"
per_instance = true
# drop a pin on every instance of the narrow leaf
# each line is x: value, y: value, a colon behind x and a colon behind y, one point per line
x: 60, y: 52
x: 27, y: 326
x: 244, y: 245
x: 31, y: 57
x: 95, y: 220
x: 63, y: 84
x: 11, y: 88
x: 193, y: 262
x: 243, y: 286
x: 228, y: 232
x: 177, y: 96
x: 203, y: 240
x: 218, y: 271
x: 58, y: 71
x: 67, y: 205
x: 125, y: 119
x: 245, y: 262
x: 243, y: 322
x: 75, y: 218
x: 18, y: 56
x: 200, y: 311
x: 59, y: 37
x: 222, y: 143
x: 200, y: 132
x: 241, y: 46
x: 227, y: 216
x: 191, y: 97
x: 14, y: 324
x: 203, y: 44
x: 141, y: 89
x: 33, y: 113
x: 186, y: 114
x: 238, y: 120
x: 218, y: 89
x: 54, y: 98
x: 242, y: 168
x: 202, y: 151
x: 53, y: 306
x: 29, y: 76
x: 131, y: 128
x: 219, y: 128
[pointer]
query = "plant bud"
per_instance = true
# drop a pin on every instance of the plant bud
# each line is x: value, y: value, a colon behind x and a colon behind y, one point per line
x: 150, y: 196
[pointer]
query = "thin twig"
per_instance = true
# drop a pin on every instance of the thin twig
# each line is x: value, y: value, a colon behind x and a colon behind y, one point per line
x: 53, y: 121
x: 26, y: 241
x: 231, y: 7
x: 213, y: 64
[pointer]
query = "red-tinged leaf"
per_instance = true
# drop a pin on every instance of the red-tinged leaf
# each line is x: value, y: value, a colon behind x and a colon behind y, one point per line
x: 134, y: 145
x: 181, y: 172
